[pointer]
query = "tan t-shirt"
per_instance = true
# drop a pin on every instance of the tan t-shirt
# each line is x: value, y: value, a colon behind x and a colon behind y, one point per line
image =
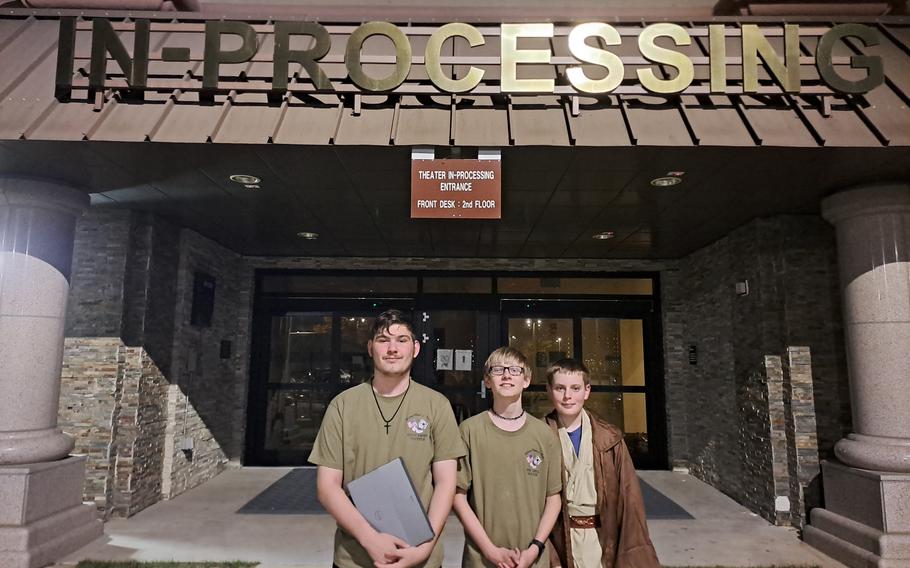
x: 508, y: 477
x: 353, y: 439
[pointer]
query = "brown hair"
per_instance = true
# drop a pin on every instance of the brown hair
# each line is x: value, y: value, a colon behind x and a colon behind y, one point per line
x: 568, y: 365
x: 387, y: 319
x: 505, y: 356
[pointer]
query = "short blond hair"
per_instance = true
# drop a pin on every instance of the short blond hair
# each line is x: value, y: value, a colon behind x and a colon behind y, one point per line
x: 507, y: 356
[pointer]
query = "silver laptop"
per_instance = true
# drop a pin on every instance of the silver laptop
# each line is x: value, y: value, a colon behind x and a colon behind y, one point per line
x: 388, y: 501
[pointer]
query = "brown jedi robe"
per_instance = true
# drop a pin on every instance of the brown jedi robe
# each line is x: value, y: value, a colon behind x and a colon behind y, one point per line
x: 623, y: 531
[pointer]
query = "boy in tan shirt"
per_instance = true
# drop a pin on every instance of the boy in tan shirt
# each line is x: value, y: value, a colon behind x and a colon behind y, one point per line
x: 509, y: 482
x: 373, y: 423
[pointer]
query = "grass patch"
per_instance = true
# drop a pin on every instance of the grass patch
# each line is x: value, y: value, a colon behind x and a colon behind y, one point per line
x: 136, y: 564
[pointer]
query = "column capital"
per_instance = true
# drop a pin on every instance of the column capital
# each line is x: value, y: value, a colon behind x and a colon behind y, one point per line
x: 866, y: 200
x: 16, y: 191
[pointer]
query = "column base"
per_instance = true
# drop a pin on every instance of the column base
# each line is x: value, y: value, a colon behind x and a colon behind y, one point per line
x: 42, y: 517
x: 865, y: 521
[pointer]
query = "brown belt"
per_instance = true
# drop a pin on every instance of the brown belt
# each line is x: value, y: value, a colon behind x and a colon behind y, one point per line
x: 591, y: 522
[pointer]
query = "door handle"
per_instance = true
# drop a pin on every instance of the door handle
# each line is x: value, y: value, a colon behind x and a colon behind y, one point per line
x: 483, y: 390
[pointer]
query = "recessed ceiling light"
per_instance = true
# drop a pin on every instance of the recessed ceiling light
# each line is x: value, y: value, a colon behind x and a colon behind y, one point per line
x: 604, y: 235
x: 245, y: 179
x: 666, y: 181
x: 308, y: 235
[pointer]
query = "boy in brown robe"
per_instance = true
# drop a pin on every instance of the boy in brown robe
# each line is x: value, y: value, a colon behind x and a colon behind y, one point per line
x: 602, y: 523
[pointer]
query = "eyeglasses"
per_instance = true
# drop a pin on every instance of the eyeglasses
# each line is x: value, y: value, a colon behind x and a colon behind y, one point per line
x: 498, y: 370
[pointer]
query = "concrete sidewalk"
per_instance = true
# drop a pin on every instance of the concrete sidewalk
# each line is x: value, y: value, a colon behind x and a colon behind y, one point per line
x: 202, y: 525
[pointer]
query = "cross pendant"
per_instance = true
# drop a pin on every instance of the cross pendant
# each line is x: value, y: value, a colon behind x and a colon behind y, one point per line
x: 387, y: 429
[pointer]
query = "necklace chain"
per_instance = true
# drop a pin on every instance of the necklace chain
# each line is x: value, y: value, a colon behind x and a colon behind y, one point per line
x: 498, y: 415
x: 388, y: 422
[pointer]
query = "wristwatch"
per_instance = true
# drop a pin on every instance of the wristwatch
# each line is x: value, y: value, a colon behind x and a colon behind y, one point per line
x: 540, y: 547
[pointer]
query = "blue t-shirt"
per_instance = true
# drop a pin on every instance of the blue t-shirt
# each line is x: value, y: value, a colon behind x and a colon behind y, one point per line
x: 575, y: 436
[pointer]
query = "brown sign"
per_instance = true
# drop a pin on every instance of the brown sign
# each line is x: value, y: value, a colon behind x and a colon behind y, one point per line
x: 456, y: 189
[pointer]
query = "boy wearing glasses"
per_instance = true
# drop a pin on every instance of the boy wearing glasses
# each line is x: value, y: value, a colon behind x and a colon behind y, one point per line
x: 602, y: 521
x: 373, y: 423
x: 509, y: 481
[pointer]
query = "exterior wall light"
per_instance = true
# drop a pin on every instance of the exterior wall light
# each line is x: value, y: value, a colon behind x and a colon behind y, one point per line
x: 308, y: 235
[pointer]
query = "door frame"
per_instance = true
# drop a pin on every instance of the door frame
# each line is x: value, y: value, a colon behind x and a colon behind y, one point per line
x: 266, y: 306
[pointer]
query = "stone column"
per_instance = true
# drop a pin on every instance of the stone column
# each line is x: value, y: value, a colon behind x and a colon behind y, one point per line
x: 866, y: 518
x: 41, y: 512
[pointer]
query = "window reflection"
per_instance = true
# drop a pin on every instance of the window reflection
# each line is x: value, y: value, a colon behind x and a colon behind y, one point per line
x: 301, y: 349
x: 543, y: 341
x: 356, y: 364
x: 303, y: 376
x: 293, y: 417
x: 614, y: 351
x: 626, y: 411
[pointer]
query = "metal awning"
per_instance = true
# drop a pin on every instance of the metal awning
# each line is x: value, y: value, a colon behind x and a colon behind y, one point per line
x: 338, y: 164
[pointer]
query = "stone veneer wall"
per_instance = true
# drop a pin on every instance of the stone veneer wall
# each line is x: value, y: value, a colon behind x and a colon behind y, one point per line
x: 781, y: 508
x: 89, y: 399
x: 185, y: 469
x: 207, y: 400
x: 140, y: 434
x: 129, y: 394
x: 803, y: 466
x: 113, y: 402
x: 100, y: 251
x: 738, y: 441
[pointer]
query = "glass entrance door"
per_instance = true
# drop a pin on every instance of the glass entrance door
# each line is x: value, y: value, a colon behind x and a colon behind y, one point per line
x: 313, y: 356
x: 305, y: 352
x: 619, y: 354
x: 455, y: 345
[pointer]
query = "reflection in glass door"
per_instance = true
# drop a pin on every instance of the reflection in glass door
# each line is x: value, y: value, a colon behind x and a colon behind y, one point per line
x: 613, y: 349
x: 312, y: 357
x: 543, y: 341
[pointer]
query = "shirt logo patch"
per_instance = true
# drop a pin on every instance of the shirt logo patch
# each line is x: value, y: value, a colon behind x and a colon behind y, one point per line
x: 534, y: 459
x: 418, y: 426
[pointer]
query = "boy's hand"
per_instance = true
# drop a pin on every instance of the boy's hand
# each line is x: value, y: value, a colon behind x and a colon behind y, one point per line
x: 384, y: 547
x: 528, y: 556
x: 407, y: 557
x: 502, y: 557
